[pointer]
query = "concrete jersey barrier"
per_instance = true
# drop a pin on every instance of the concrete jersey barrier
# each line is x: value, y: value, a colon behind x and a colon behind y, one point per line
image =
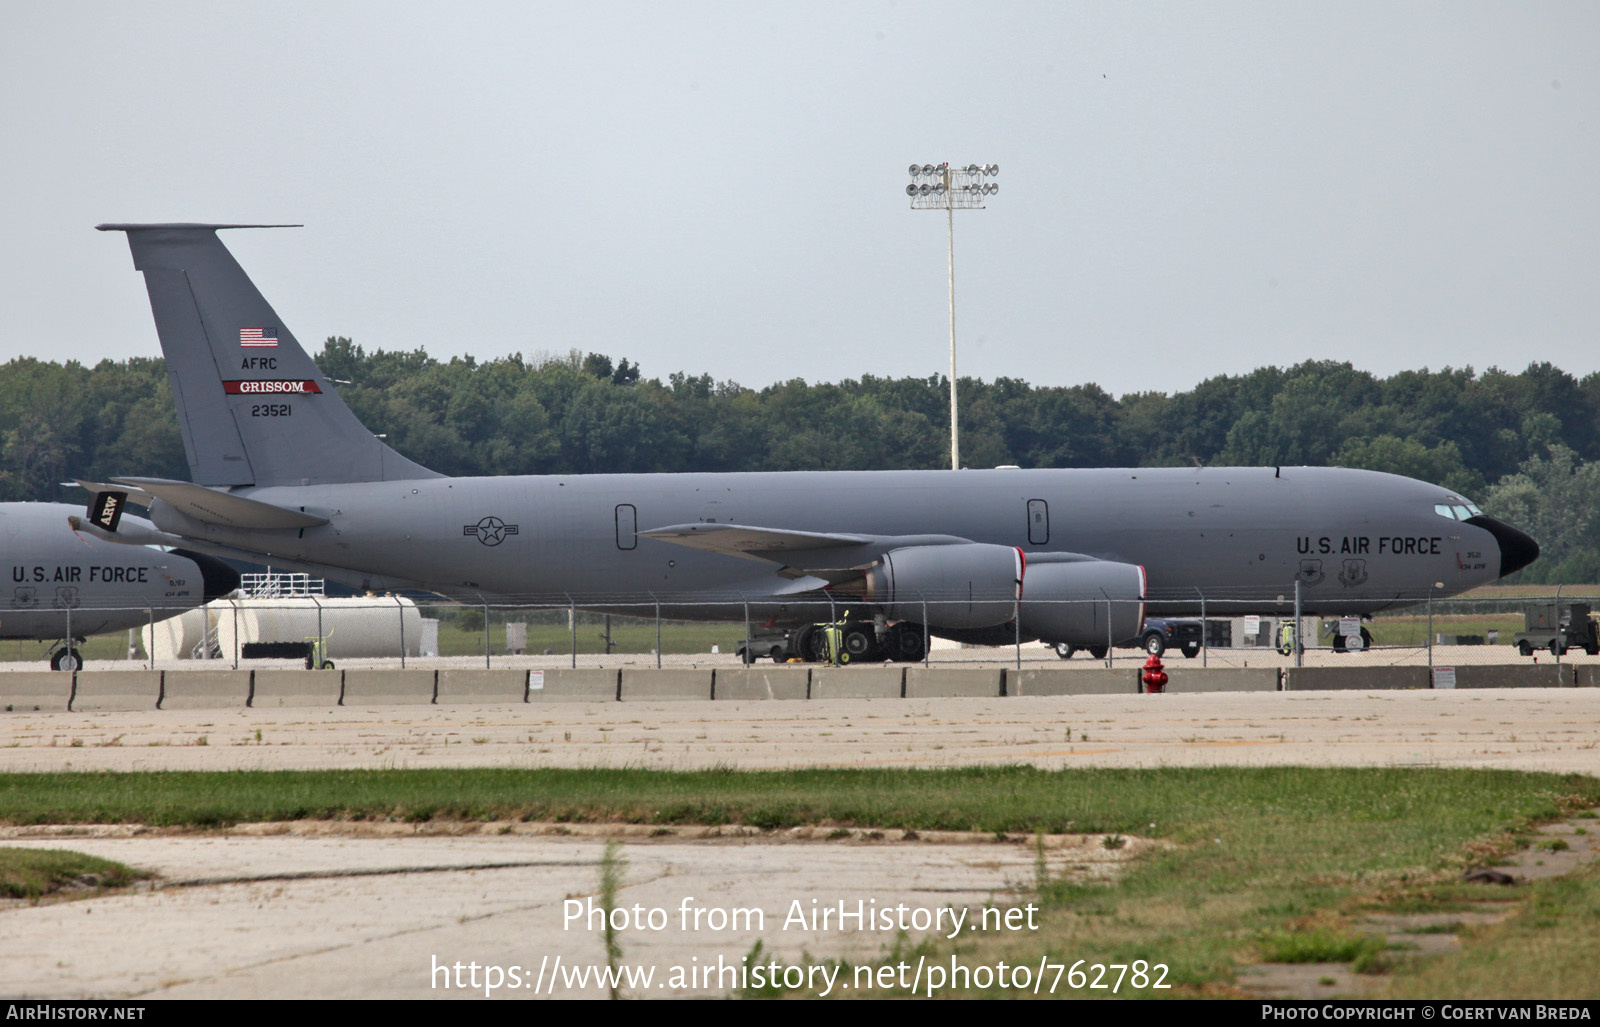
x: 389, y: 687
x: 1501, y: 675
x: 481, y: 686
x: 954, y: 683
x: 1324, y: 679
x: 30, y: 691
x: 670, y: 684
x: 275, y: 688
x: 565, y: 684
x: 762, y: 683
x: 116, y: 690
x: 880, y: 682
x: 204, y: 689
x: 1068, y: 681
x: 1222, y: 679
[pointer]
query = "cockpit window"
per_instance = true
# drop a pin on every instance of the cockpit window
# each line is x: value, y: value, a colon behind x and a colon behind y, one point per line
x: 1457, y: 509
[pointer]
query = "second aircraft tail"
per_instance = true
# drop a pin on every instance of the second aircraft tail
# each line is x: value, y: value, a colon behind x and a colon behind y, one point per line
x: 252, y: 407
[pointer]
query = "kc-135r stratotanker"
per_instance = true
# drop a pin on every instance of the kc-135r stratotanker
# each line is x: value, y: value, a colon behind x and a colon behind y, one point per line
x: 284, y: 473
x: 63, y: 585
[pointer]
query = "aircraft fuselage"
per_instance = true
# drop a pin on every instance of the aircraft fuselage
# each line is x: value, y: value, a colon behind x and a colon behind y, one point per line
x: 1357, y: 541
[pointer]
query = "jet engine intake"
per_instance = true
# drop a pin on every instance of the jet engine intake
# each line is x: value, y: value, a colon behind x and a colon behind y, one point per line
x: 1093, y: 602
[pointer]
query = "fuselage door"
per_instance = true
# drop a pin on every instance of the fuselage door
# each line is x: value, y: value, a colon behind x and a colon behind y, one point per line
x: 627, y: 526
x: 1038, y: 522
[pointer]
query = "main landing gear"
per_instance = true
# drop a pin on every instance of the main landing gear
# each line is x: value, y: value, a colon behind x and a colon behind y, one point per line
x: 66, y: 658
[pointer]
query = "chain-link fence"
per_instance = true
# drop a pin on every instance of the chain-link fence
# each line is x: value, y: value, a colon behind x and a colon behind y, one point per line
x: 296, y: 627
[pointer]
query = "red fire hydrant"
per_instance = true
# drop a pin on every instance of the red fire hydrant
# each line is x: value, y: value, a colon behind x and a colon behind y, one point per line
x: 1154, y: 678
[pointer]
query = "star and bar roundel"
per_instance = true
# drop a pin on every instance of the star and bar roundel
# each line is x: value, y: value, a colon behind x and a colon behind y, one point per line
x: 491, y: 531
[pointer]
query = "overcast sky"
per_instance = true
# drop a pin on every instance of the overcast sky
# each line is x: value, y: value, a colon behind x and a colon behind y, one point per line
x: 1185, y: 189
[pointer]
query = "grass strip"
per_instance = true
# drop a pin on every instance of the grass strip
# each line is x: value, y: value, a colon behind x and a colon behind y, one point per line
x: 1547, y: 950
x: 34, y: 873
x: 1273, y: 862
x: 1267, y: 805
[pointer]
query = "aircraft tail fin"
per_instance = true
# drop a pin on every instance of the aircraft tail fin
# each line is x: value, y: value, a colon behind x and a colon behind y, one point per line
x: 252, y: 407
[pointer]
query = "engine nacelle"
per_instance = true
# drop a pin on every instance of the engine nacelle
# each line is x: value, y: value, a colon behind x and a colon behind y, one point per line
x: 968, y: 585
x: 1092, y: 602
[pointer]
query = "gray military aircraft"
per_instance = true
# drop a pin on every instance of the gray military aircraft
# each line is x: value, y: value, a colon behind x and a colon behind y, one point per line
x: 66, y: 586
x: 284, y: 473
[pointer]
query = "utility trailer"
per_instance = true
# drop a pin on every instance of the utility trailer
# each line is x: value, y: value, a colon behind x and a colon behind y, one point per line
x: 1549, y: 627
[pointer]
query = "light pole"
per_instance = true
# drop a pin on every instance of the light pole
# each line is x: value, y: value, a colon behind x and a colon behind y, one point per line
x: 941, y: 187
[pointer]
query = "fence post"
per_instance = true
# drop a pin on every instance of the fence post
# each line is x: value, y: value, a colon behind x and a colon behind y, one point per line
x: 1560, y: 638
x: 150, y: 650
x: 68, y: 657
x: 235, y: 634
x: 658, y: 629
x: 1299, y: 629
x: 572, y: 625
x: 321, y: 651
x: 927, y: 640
x: 486, y: 634
x: 1430, y: 636
x: 832, y: 645
x: 1111, y: 643
x: 748, y: 660
x: 1017, y: 621
x: 1203, y: 631
x: 400, y: 608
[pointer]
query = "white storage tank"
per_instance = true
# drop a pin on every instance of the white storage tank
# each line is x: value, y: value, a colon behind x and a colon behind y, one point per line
x: 361, y: 626
x: 179, y: 638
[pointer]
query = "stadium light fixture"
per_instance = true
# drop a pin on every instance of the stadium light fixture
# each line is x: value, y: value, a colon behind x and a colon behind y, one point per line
x: 941, y: 187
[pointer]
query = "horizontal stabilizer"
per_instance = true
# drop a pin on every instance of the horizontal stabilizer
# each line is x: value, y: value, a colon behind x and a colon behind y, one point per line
x: 211, y: 507
x: 133, y: 531
x: 135, y: 495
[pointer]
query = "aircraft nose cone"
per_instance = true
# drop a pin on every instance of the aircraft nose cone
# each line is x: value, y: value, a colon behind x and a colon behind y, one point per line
x: 220, y: 579
x: 1517, y: 550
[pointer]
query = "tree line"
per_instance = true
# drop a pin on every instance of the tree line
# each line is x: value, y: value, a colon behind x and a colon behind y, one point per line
x: 1525, y: 446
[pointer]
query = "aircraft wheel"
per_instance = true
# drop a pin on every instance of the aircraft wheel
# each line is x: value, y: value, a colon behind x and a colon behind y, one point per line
x: 906, y: 644
x: 1352, y: 643
x: 1098, y: 651
x: 1064, y: 650
x: 66, y: 659
x: 1154, y: 644
x: 808, y: 644
x: 1191, y: 651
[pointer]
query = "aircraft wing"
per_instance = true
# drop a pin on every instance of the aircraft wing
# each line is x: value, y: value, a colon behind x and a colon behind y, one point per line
x: 750, y: 542
x: 212, y: 507
x: 797, y: 552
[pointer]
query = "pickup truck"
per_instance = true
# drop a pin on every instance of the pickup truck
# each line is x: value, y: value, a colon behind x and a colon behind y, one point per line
x: 1159, y: 635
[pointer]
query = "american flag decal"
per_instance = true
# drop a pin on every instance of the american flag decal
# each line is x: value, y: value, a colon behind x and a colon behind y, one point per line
x: 258, y: 336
